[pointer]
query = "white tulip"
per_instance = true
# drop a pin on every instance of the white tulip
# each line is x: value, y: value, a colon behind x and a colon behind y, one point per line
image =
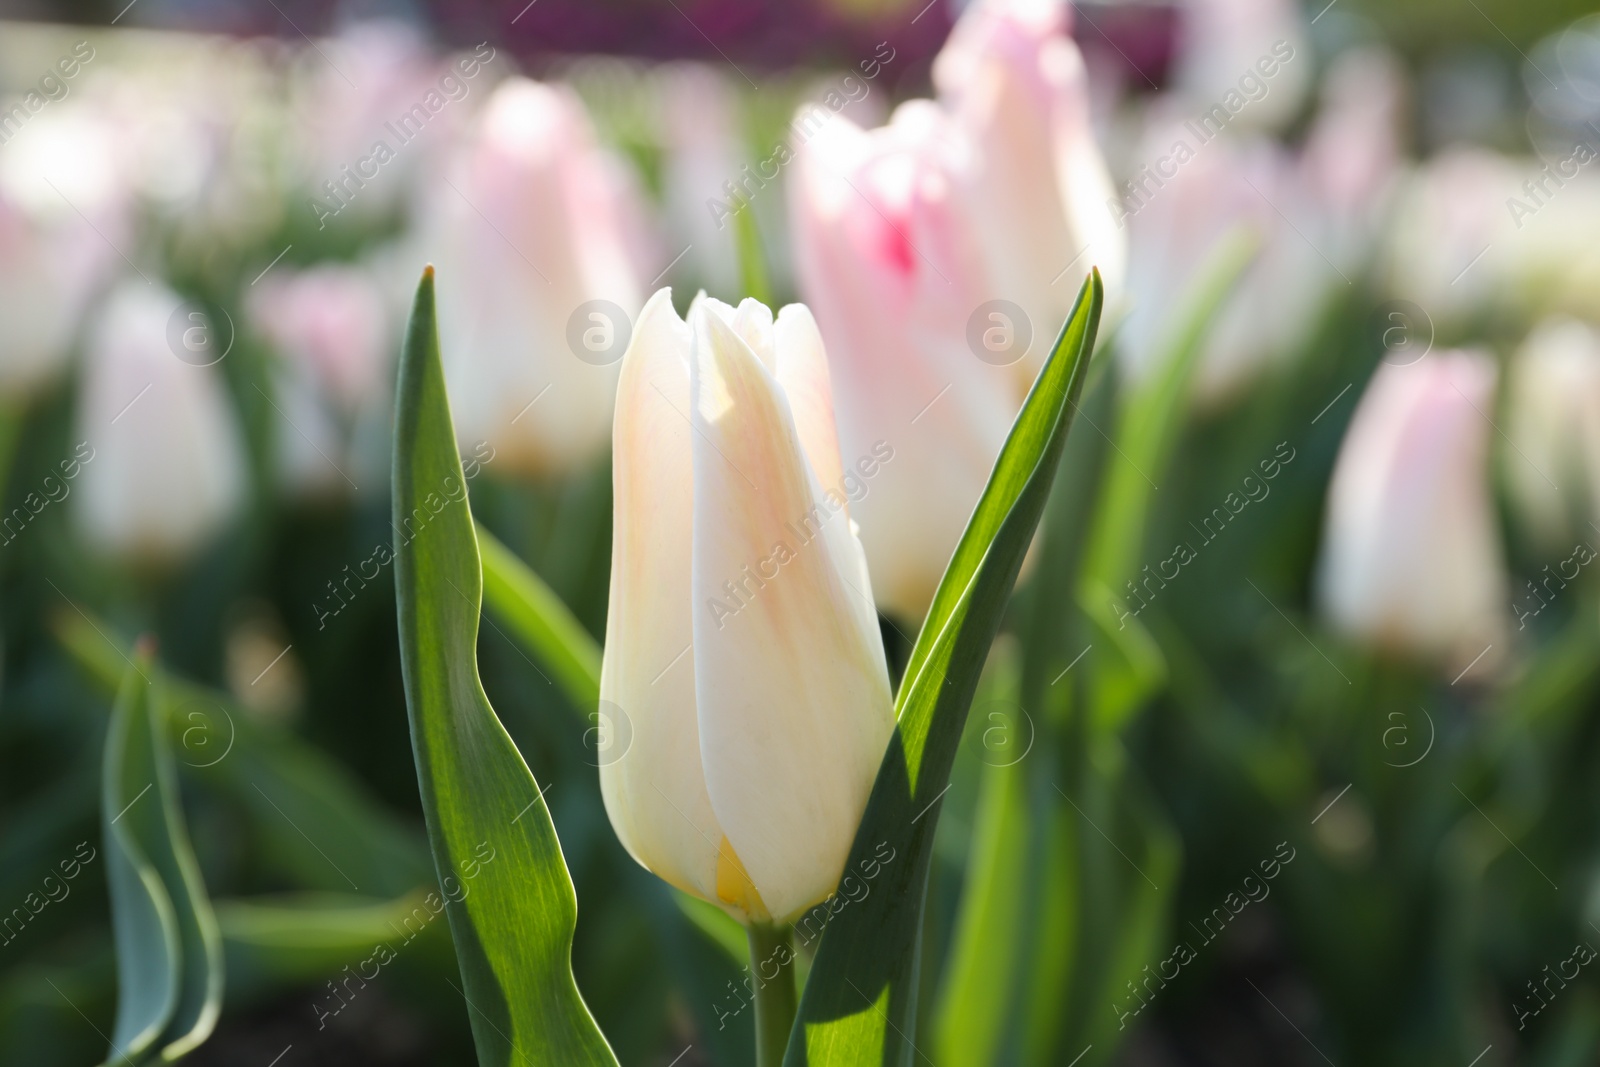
x: 169, y: 468
x: 60, y: 211
x: 532, y: 223
x: 743, y: 661
x: 1553, y: 470
x: 1411, y: 557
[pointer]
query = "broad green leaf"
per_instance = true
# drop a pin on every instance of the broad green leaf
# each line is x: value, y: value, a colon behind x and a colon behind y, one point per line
x: 859, y: 1005
x: 979, y: 988
x: 169, y: 953
x: 513, y: 923
x: 540, y: 620
x: 306, y: 808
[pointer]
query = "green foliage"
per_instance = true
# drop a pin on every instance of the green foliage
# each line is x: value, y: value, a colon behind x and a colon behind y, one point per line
x: 859, y: 1005
x: 169, y: 952
x: 512, y: 910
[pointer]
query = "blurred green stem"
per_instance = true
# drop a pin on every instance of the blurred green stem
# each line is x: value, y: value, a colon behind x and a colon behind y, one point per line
x: 772, y: 982
x: 12, y: 416
x: 752, y: 258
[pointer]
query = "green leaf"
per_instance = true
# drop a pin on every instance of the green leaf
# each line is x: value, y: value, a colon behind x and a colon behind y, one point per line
x: 540, y: 620
x: 1125, y: 862
x: 859, y: 1005
x: 513, y: 923
x: 271, y: 943
x: 169, y: 952
x: 752, y: 257
x: 305, y: 807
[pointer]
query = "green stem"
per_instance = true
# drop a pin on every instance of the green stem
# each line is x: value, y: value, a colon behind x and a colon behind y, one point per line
x: 772, y: 975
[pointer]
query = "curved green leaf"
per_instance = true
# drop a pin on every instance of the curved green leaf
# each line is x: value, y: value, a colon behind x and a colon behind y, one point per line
x: 512, y: 910
x: 285, y: 783
x: 539, y: 619
x: 271, y: 943
x: 169, y: 952
x: 859, y: 1005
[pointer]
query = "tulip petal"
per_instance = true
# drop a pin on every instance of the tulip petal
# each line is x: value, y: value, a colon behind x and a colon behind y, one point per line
x: 780, y: 625
x: 887, y: 264
x: 1411, y: 554
x: 802, y: 370
x: 655, y: 791
x: 537, y: 231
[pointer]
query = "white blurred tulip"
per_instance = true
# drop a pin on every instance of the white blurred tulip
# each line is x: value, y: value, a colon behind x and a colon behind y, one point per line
x: 532, y: 222
x: 329, y: 319
x: 1032, y: 176
x: 1352, y: 158
x: 743, y: 660
x: 1317, y: 218
x: 702, y: 150
x: 1453, y: 238
x: 59, y: 209
x: 169, y: 467
x: 1553, y: 420
x: 1223, y: 40
x: 1411, y: 559
x: 1229, y: 184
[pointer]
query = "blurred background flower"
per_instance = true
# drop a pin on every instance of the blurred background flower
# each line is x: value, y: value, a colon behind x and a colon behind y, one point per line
x: 536, y: 240
x: 1350, y: 510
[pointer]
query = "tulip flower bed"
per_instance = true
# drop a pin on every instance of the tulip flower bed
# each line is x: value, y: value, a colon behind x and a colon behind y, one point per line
x: 704, y: 563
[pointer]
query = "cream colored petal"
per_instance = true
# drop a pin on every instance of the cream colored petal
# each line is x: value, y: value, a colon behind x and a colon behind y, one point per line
x: 794, y: 703
x: 802, y: 371
x: 653, y: 788
x: 752, y: 321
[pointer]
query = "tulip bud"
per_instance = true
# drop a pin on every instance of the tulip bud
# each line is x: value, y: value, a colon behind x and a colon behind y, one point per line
x: 742, y: 659
x: 1454, y: 241
x: 1553, y: 474
x: 888, y: 259
x: 1411, y: 559
x: 1351, y: 160
x: 532, y: 233
x: 928, y: 245
x: 1033, y: 177
x: 168, y: 466
x: 1176, y: 228
x: 701, y: 150
x: 331, y: 321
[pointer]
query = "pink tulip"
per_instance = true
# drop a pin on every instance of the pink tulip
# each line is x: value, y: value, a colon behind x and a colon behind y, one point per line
x: 1411, y: 557
x: 906, y: 235
x: 331, y: 321
x: 889, y: 263
x: 1031, y: 176
x: 532, y: 222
